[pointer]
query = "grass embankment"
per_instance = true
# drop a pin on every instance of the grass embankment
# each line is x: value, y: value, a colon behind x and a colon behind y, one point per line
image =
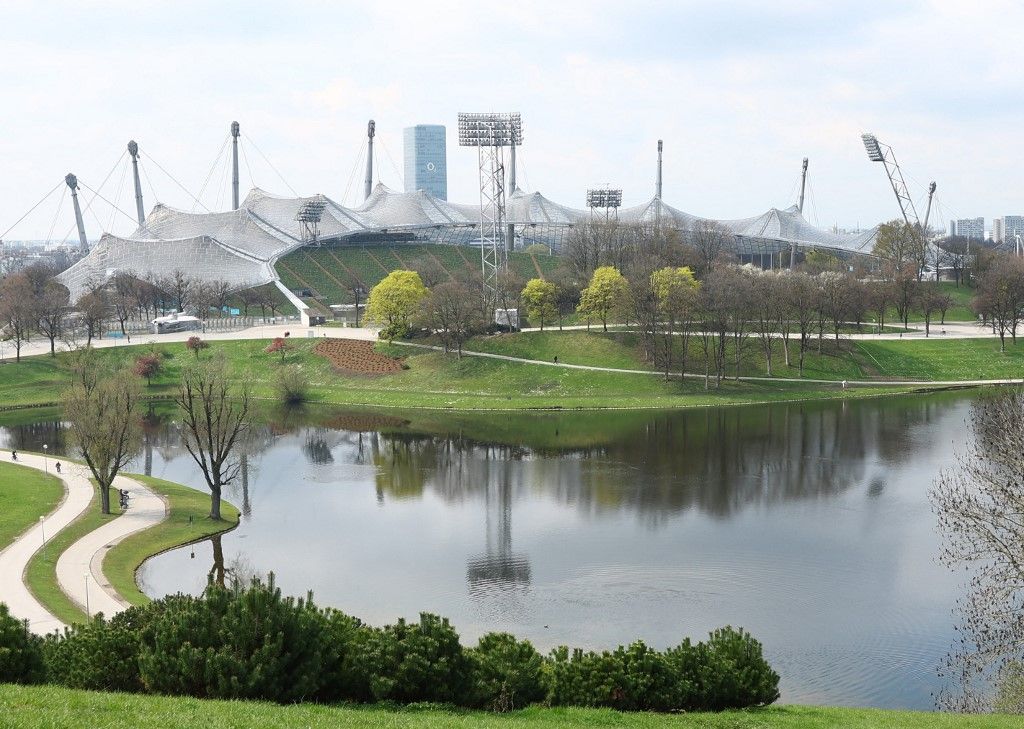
x: 25, y: 495
x: 436, y: 380
x: 121, y: 562
x: 124, y: 559
x: 48, y: 706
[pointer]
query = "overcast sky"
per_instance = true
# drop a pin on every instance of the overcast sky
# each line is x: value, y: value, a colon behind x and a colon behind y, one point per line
x: 739, y: 91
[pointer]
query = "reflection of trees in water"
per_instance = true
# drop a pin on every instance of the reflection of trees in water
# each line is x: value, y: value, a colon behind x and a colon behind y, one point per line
x: 33, y: 436
x: 716, y: 460
x: 498, y: 572
x: 980, y: 509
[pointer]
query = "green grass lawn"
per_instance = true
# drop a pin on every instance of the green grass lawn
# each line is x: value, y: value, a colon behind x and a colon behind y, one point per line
x: 121, y: 562
x: 436, y: 380
x: 25, y: 495
x: 49, y: 706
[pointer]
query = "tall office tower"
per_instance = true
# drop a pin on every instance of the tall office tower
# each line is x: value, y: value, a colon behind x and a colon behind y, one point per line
x: 1013, y: 225
x: 426, y: 165
x: 997, y: 230
x: 971, y: 228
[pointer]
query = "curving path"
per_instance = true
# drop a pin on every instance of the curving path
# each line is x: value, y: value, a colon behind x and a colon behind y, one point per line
x: 80, y: 567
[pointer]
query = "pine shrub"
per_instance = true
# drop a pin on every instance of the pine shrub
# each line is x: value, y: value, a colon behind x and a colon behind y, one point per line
x: 97, y: 656
x: 249, y: 643
x: 21, y: 653
x: 506, y: 673
x: 731, y: 672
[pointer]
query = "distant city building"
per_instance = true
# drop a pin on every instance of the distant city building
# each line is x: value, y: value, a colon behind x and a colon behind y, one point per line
x: 968, y: 228
x: 1013, y: 225
x: 426, y: 165
x: 997, y: 230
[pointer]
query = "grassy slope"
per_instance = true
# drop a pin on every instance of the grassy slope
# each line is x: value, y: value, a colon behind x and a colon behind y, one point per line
x: 439, y: 381
x: 48, y: 706
x: 25, y: 495
x: 121, y: 562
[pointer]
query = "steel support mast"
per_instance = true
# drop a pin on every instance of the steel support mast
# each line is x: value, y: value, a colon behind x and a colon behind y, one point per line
x: 371, y: 131
x: 800, y: 207
x: 234, y: 165
x: 490, y: 134
x: 140, y: 209
x: 83, y: 242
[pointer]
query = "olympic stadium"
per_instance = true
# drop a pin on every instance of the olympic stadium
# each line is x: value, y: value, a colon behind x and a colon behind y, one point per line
x: 267, y: 238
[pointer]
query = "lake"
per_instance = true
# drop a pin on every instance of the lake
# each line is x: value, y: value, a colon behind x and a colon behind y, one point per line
x: 807, y: 524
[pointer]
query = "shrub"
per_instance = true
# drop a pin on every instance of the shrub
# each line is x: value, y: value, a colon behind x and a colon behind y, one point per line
x: 344, y: 678
x: 292, y: 385
x: 196, y: 345
x: 21, y: 653
x: 278, y: 346
x: 637, y: 678
x: 96, y: 656
x: 148, y: 365
x: 246, y: 643
x: 506, y: 673
x: 730, y: 672
x: 410, y: 662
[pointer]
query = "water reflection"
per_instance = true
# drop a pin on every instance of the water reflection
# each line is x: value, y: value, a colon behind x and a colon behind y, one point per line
x: 806, y: 523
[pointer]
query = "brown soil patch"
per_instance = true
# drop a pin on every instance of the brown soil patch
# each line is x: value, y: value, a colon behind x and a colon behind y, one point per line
x: 356, y: 356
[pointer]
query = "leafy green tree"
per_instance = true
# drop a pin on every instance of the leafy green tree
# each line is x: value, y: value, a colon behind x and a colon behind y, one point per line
x: 541, y: 300
x: 605, y: 296
x: 394, y: 301
x: 675, y: 290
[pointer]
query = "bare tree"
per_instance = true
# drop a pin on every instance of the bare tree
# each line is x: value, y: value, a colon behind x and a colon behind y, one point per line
x: 104, y: 419
x: 94, y: 311
x: 1000, y: 296
x: 215, y: 414
x: 979, y: 505
x: 450, y: 311
x: 18, y: 313
x: 769, y: 313
x: 710, y: 240
x: 931, y: 299
x: 178, y: 286
x: 803, y: 294
x: 52, y: 310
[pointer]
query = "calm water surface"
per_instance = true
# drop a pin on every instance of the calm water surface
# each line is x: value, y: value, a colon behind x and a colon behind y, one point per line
x: 808, y: 524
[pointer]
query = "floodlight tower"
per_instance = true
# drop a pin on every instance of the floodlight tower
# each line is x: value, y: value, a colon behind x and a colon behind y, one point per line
x: 490, y: 134
x: 308, y: 217
x: 878, y: 152
x: 83, y: 242
x: 371, y: 131
x: 235, y: 130
x: 605, y: 198
x: 140, y: 209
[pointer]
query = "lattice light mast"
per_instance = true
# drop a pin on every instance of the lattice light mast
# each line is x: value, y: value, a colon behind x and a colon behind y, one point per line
x: 308, y: 217
x: 371, y: 132
x: 72, y: 182
x: 878, y: 152
x: 605, y: 199
x: 490, y: 134
x: 140, y: 209
x: 235, y: 130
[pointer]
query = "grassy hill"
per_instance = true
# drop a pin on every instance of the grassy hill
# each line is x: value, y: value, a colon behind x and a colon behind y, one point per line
x: 330, y: 272
x: 50, y: 706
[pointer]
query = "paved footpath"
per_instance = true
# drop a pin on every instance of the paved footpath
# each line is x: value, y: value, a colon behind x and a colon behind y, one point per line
x: 80, y: 567
x: 15, y: 558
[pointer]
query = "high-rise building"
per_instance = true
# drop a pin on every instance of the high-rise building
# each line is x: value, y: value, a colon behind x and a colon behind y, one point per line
x: 969, y: 228
x: 998, y: 232
x: 426, y: 165
x: 1013, y: 225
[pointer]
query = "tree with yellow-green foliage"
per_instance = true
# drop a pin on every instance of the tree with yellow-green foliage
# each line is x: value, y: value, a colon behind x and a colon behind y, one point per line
x: 676, y: 292
x: 541, y: 300
x: 394, y: 301
x: 607, y: 294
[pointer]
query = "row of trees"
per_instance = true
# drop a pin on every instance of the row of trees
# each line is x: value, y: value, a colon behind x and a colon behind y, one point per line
x: 33, y: 301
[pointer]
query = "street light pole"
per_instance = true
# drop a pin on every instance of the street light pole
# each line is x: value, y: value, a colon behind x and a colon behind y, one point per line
x: 46, y: 468
x: 87, y: 612
x: 42, y: 528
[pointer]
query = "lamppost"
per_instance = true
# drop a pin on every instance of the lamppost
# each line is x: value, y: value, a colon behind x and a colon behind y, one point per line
x: 45, y: 449
x: 88, y: 614
x: 42, y: 528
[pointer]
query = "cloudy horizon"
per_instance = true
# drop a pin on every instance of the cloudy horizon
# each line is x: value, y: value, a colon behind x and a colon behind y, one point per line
x: 739, y: 93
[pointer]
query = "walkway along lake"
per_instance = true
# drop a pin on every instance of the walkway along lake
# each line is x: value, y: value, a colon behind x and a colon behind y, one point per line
x: 808, y: 524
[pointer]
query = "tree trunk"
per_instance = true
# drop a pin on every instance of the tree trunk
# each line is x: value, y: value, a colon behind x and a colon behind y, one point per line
x: 105, y: 499
x: 215, y: 503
